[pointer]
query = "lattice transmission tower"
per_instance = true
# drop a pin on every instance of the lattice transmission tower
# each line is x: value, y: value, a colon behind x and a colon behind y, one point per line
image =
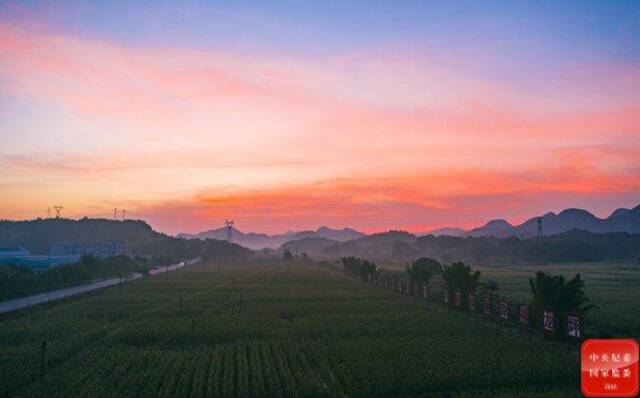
x: 58, y: 209
x: 229, y: 225
x: 539, y: 236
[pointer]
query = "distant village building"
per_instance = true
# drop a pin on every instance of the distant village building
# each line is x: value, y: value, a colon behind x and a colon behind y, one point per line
x: 21, y: 256
x: 60, y: 253
x: 13, y: 252
x: 99, y: 249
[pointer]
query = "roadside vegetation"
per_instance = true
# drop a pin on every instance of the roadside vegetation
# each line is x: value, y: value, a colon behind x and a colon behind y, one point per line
x: 19, y: 280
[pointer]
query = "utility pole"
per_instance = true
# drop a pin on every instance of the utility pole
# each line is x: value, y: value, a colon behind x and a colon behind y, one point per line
x: 43, y: 368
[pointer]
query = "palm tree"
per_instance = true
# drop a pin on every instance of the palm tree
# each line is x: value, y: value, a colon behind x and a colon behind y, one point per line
x: 553, y: 293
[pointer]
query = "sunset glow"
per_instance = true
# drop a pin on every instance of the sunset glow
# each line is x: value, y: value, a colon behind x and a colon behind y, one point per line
x: 259, y: 113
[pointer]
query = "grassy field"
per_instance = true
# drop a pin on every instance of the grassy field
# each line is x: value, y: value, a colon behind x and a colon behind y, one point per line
x: 613, y: 288
x: 272, y: 331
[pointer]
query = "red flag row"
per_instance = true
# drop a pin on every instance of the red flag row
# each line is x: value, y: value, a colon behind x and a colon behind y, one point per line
x: 503, y: 310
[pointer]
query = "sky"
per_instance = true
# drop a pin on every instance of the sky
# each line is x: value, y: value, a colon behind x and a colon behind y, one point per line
x: 290, y: 115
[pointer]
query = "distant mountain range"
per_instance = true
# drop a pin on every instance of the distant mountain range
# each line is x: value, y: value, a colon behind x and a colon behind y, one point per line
x: 573, y: 235
x: 258, y: 241
x: 444, y: 232
x: 621, y: 220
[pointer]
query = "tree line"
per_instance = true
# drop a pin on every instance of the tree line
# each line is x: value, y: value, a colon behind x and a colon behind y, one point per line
x: 20, y: 280
x: 571, y: 246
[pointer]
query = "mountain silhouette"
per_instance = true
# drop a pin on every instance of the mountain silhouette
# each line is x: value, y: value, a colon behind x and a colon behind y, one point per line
x: 258, y: 241
x: 620, y: 220
x: 446, y: 231
x: 309, y: 245
x: 500, y: 228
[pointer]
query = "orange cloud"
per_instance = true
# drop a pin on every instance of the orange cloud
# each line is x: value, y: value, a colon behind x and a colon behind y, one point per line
x: 461, y: 197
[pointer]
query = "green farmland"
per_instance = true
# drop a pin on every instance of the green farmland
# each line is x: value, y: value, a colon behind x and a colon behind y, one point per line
x: 613, y: 288
x: 271, y: 330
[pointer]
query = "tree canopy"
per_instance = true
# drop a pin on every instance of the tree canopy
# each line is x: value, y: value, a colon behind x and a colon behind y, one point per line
x: 554, y: 293
x: 459, y: 277
x: 421, y: 270
x: 359, y: 267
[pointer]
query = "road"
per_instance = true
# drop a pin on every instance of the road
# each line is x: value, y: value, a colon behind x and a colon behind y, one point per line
x: 28, y: 301
x: 24, y: 302
x: 166, y: 268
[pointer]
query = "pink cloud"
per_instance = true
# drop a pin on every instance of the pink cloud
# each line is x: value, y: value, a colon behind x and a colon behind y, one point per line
x: 263, y: 131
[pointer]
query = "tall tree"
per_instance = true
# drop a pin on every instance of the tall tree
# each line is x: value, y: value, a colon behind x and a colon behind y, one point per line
x: 421, y: 270
x: 554, y: 293
x: 459, y: 277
